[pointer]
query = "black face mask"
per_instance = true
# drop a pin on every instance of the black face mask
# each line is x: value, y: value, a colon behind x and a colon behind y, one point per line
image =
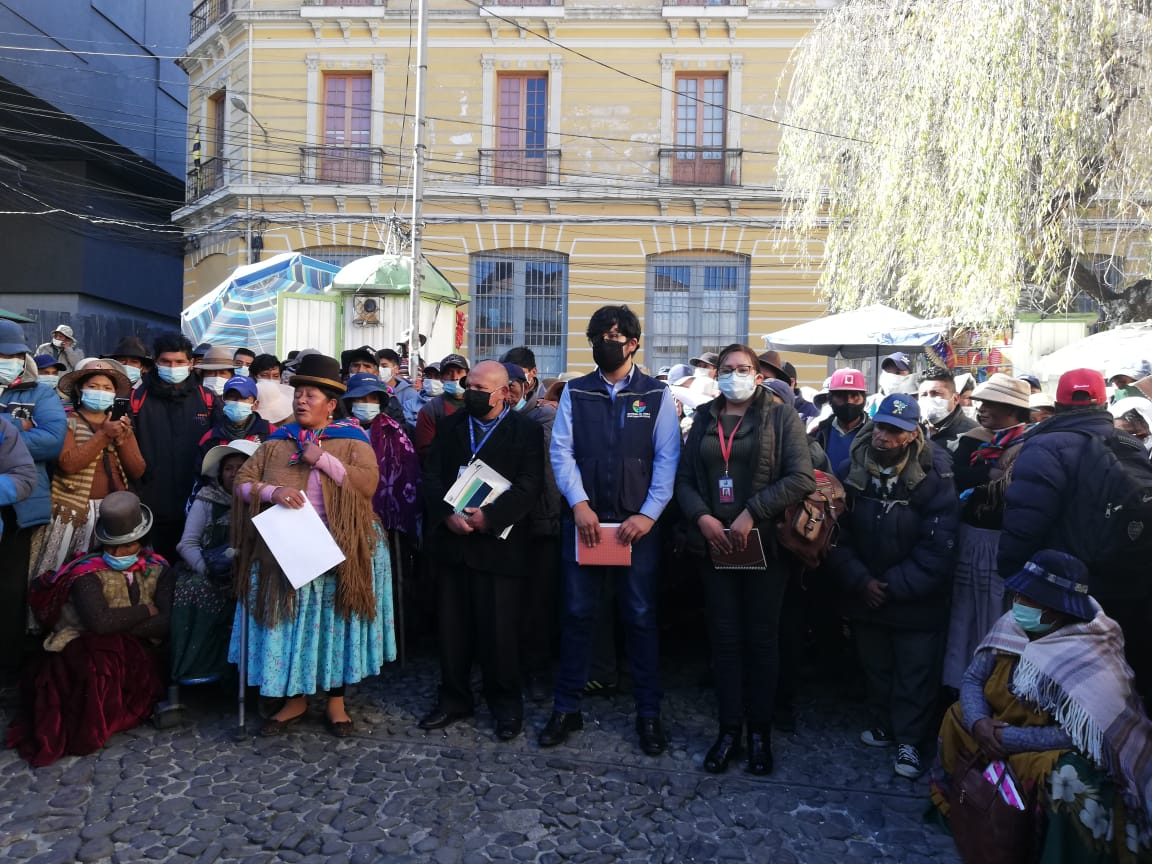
x: 477, y: 403
x: 609, y: 356
x: 848, y: 413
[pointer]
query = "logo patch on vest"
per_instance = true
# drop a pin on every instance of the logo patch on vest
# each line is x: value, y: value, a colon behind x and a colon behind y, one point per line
x: 638, y: 410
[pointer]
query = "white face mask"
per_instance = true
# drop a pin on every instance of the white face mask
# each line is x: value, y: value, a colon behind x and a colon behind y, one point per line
x: 736, y: 387
x: 934, y: 408
x: 215, y: 384
x: 385, y: 374
x: 433, y: 387
x: 891, y: 383
x: 701, y: 372
x: 57, y: 343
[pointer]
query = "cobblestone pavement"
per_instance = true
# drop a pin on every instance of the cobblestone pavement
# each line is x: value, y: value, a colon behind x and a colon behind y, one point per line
x: 395, y: 793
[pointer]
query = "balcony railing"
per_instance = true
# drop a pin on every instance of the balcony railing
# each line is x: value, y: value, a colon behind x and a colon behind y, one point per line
x: 533, y: 167
x: 209, y: 177
x: 705, y: 2
x: 700, y: 166
x: 344, y: 2
x: 523, y: 2
x: 341, y: 165
x: 205, y: 15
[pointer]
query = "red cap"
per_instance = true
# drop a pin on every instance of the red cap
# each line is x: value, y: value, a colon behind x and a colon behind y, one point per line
x: 847, y: 379
x: 1086, y: 381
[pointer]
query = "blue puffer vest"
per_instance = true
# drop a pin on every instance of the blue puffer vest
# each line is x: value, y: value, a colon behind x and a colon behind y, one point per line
x: 612, y: 441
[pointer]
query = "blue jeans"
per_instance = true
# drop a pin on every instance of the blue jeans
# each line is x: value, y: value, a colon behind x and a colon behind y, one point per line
x: 636, y: 599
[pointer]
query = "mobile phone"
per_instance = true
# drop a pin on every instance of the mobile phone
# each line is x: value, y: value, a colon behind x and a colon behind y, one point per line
x: 120, y: 407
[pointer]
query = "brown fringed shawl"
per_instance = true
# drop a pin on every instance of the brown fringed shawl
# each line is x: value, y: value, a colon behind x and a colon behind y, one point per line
x: 348, y: 513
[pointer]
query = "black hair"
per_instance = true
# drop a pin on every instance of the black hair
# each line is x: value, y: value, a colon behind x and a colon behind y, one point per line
x: 521, y: 356
x: 389, y: 355
x: 605, y: 317
x: 263, y: 363
x: 167, y: 343
x: 938, y: 373
x: 340, y: 412
x: 247, y: 352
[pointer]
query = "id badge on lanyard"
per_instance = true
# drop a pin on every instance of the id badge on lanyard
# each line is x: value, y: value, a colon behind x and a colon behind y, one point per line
x: 727, y: 487
x: 727, y: 492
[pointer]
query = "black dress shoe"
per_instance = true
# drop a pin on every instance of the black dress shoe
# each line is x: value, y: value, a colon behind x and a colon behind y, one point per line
x: 559, y: 727
x: 759, y: 750
x: 439, y: 718
x: 508, y: 728
x: 721, y: 754
x: 653, y: 741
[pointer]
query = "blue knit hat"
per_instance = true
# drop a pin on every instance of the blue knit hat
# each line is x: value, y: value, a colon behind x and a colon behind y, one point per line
x: 1055, y: 580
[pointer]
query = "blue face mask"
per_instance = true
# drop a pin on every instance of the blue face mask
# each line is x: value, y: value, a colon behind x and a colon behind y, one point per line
x: 120, y: 562
x: 237, y: 412
x: 242, y: 371
x: 50, y: 380
x: 366, y: 411
x: 133, y: 373
x: 10, y: 370
x: 173, y: 374
x: 519, y: 406
x: 1028, y: 617
x: 453, y: 388
x: 97, y: 400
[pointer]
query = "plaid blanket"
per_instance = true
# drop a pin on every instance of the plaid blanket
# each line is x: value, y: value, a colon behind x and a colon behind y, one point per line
x: 1078, y: 674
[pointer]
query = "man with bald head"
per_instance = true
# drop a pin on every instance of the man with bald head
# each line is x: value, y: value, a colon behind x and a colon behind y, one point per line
x: 478, y: 574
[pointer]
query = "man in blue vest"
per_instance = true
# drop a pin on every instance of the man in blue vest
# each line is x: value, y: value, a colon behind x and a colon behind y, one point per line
x: 615, y: 445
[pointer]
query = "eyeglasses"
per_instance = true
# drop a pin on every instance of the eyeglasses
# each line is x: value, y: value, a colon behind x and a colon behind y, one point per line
x: 739, y: 370
x: 609, y: 337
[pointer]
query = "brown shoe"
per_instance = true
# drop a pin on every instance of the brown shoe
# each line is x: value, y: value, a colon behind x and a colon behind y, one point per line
x: 273, y: 727
x: 341, y: 728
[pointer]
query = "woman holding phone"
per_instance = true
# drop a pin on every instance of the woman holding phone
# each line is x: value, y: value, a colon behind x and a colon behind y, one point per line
x: 745, y: 460
x: 100, y: 456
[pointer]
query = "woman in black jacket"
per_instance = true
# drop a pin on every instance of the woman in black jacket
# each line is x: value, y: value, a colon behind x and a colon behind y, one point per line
x: 746, y: 459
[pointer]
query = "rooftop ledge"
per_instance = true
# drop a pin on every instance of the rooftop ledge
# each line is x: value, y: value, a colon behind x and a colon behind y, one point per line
x: 527, y: 11
x: 723, y: 12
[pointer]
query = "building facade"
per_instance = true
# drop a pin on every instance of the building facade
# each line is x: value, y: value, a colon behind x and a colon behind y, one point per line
x: 94, y: 111
x: 580, y: 152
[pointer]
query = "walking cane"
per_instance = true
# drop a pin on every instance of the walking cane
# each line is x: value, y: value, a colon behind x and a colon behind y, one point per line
x: 395, y: 548
x: 242, y: 669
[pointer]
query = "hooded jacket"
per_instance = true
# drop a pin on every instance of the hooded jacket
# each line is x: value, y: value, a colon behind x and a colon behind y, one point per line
x: 39, y: 403
x: 70, y: 357
x: 907, y: 541
x: 17, y: 470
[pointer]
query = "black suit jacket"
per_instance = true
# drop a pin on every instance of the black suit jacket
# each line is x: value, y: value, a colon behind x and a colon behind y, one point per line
x: 516, y: 450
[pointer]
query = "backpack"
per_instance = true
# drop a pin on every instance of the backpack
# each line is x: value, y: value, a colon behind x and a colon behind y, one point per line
x: 1111, y: 528
x: 808, y: 527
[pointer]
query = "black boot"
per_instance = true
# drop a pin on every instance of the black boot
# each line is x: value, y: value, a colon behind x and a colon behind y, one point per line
x: 760, y: 749
x: 726, y: 748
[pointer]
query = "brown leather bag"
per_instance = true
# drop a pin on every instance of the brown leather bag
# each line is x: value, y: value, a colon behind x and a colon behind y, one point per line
x: 808, y: 528
x: 986, y: 828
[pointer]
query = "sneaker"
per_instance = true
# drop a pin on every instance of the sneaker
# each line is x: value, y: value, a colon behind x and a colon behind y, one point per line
x: 876, y: 737
x: 908, y: 762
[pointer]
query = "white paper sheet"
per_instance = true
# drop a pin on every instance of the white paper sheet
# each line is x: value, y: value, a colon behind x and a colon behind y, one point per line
x: 299, y: 541
x: 478, y: 484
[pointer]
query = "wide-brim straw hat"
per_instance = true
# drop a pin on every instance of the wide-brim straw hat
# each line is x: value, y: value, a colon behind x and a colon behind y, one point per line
x: 275, y: 401
x: 71, y: 383
x: 319, y: 370
x: 122, y: 519
x: 213, y: 458
x: 1004, y: 389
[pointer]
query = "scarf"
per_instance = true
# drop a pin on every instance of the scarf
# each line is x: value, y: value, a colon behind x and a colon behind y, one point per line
x: 1078, y: 675
x: 349, y: 427
x: 49, y: 591
x: 991, y: 451
x: 397, y: 499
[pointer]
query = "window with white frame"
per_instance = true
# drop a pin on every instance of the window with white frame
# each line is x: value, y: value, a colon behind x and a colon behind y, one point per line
x: 519, y: 297
x: 695, y: 302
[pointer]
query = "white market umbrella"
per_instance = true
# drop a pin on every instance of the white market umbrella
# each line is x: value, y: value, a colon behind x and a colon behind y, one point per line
x: 863, y: 332
x: 1101, y: 351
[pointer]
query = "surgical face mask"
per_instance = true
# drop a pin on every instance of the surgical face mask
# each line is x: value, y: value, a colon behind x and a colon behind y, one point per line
x: 701, y: 372
x: 609, y: 356
x: 477, y: 403
x: 385, y: 374
x: 1028, y: 617
x: 174, y: 374
x: 519, y: 406
x: 120, y: 562
x: 934, y: 408
x: 453, y: 388
x: 215, y: 384
x: 50, y: 380
x: 57, y: 343
x: 133, y: 373
x: 10, y: 370
x: 236, y: 411
x: 891, y: 383
x: 848, y: 413
x: 242, y: 371
x: 97, y: 400
x: 366, y: 411
x: 737, y: 387
x: 432, y: 387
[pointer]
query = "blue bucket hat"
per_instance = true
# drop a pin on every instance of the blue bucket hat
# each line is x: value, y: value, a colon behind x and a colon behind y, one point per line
x: 1055, y: 580
x: 12, y: 338
x: 47, y: 361
x: 365, y: 384
x: 899, y: 410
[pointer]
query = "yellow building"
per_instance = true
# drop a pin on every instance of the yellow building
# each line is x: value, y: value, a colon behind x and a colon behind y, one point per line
x: 580, y: 152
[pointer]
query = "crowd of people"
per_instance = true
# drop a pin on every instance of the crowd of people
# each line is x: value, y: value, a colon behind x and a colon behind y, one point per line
x: 973, y: 563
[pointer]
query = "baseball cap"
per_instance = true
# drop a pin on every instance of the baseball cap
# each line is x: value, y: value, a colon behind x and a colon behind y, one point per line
x: 515, y: 373
x: 847, y: 379
x: 1134, y: 369
x: 1081, y: 387
x: 457, y: 360
x: 899, y: 359
x: 1032, y: 380
x: 243, y: 386
x: 708, y: 358
x: 899, y: 410
x: 779, y: 388
x: 664, y: 372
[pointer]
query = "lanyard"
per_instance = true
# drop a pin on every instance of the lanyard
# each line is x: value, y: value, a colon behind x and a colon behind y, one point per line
x: 472, y: 423
x: 726, y: 446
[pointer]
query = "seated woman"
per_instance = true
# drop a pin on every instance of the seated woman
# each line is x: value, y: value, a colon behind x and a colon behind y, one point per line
x: 204, y: 604
x: 109, y: 613
x: 1049, y: 691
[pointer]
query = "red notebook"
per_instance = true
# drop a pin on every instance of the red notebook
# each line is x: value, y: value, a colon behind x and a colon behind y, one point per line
x: 608, y: 552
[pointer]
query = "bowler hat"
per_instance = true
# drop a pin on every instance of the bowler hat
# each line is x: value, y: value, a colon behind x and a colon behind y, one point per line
x: 363, y: 353
x: 1055, y: 580
x: 122, y: 519
x: 318, y: 370
x: 129, y: 346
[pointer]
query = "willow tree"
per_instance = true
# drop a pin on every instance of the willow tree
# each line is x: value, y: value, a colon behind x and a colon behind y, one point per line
x: 954, y: 153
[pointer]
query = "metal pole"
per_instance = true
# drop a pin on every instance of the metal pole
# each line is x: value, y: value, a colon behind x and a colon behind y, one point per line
x: 418, y: 152
x: 242, y: 670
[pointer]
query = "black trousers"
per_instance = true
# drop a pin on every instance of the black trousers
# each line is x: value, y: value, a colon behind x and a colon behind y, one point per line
x: 1134, y: 615
x: 743, y: 608
x: 15, y: 551
x: 540, y: 604
x: 902, y: 673
x: 479, y: 620
x: 165, y: 536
